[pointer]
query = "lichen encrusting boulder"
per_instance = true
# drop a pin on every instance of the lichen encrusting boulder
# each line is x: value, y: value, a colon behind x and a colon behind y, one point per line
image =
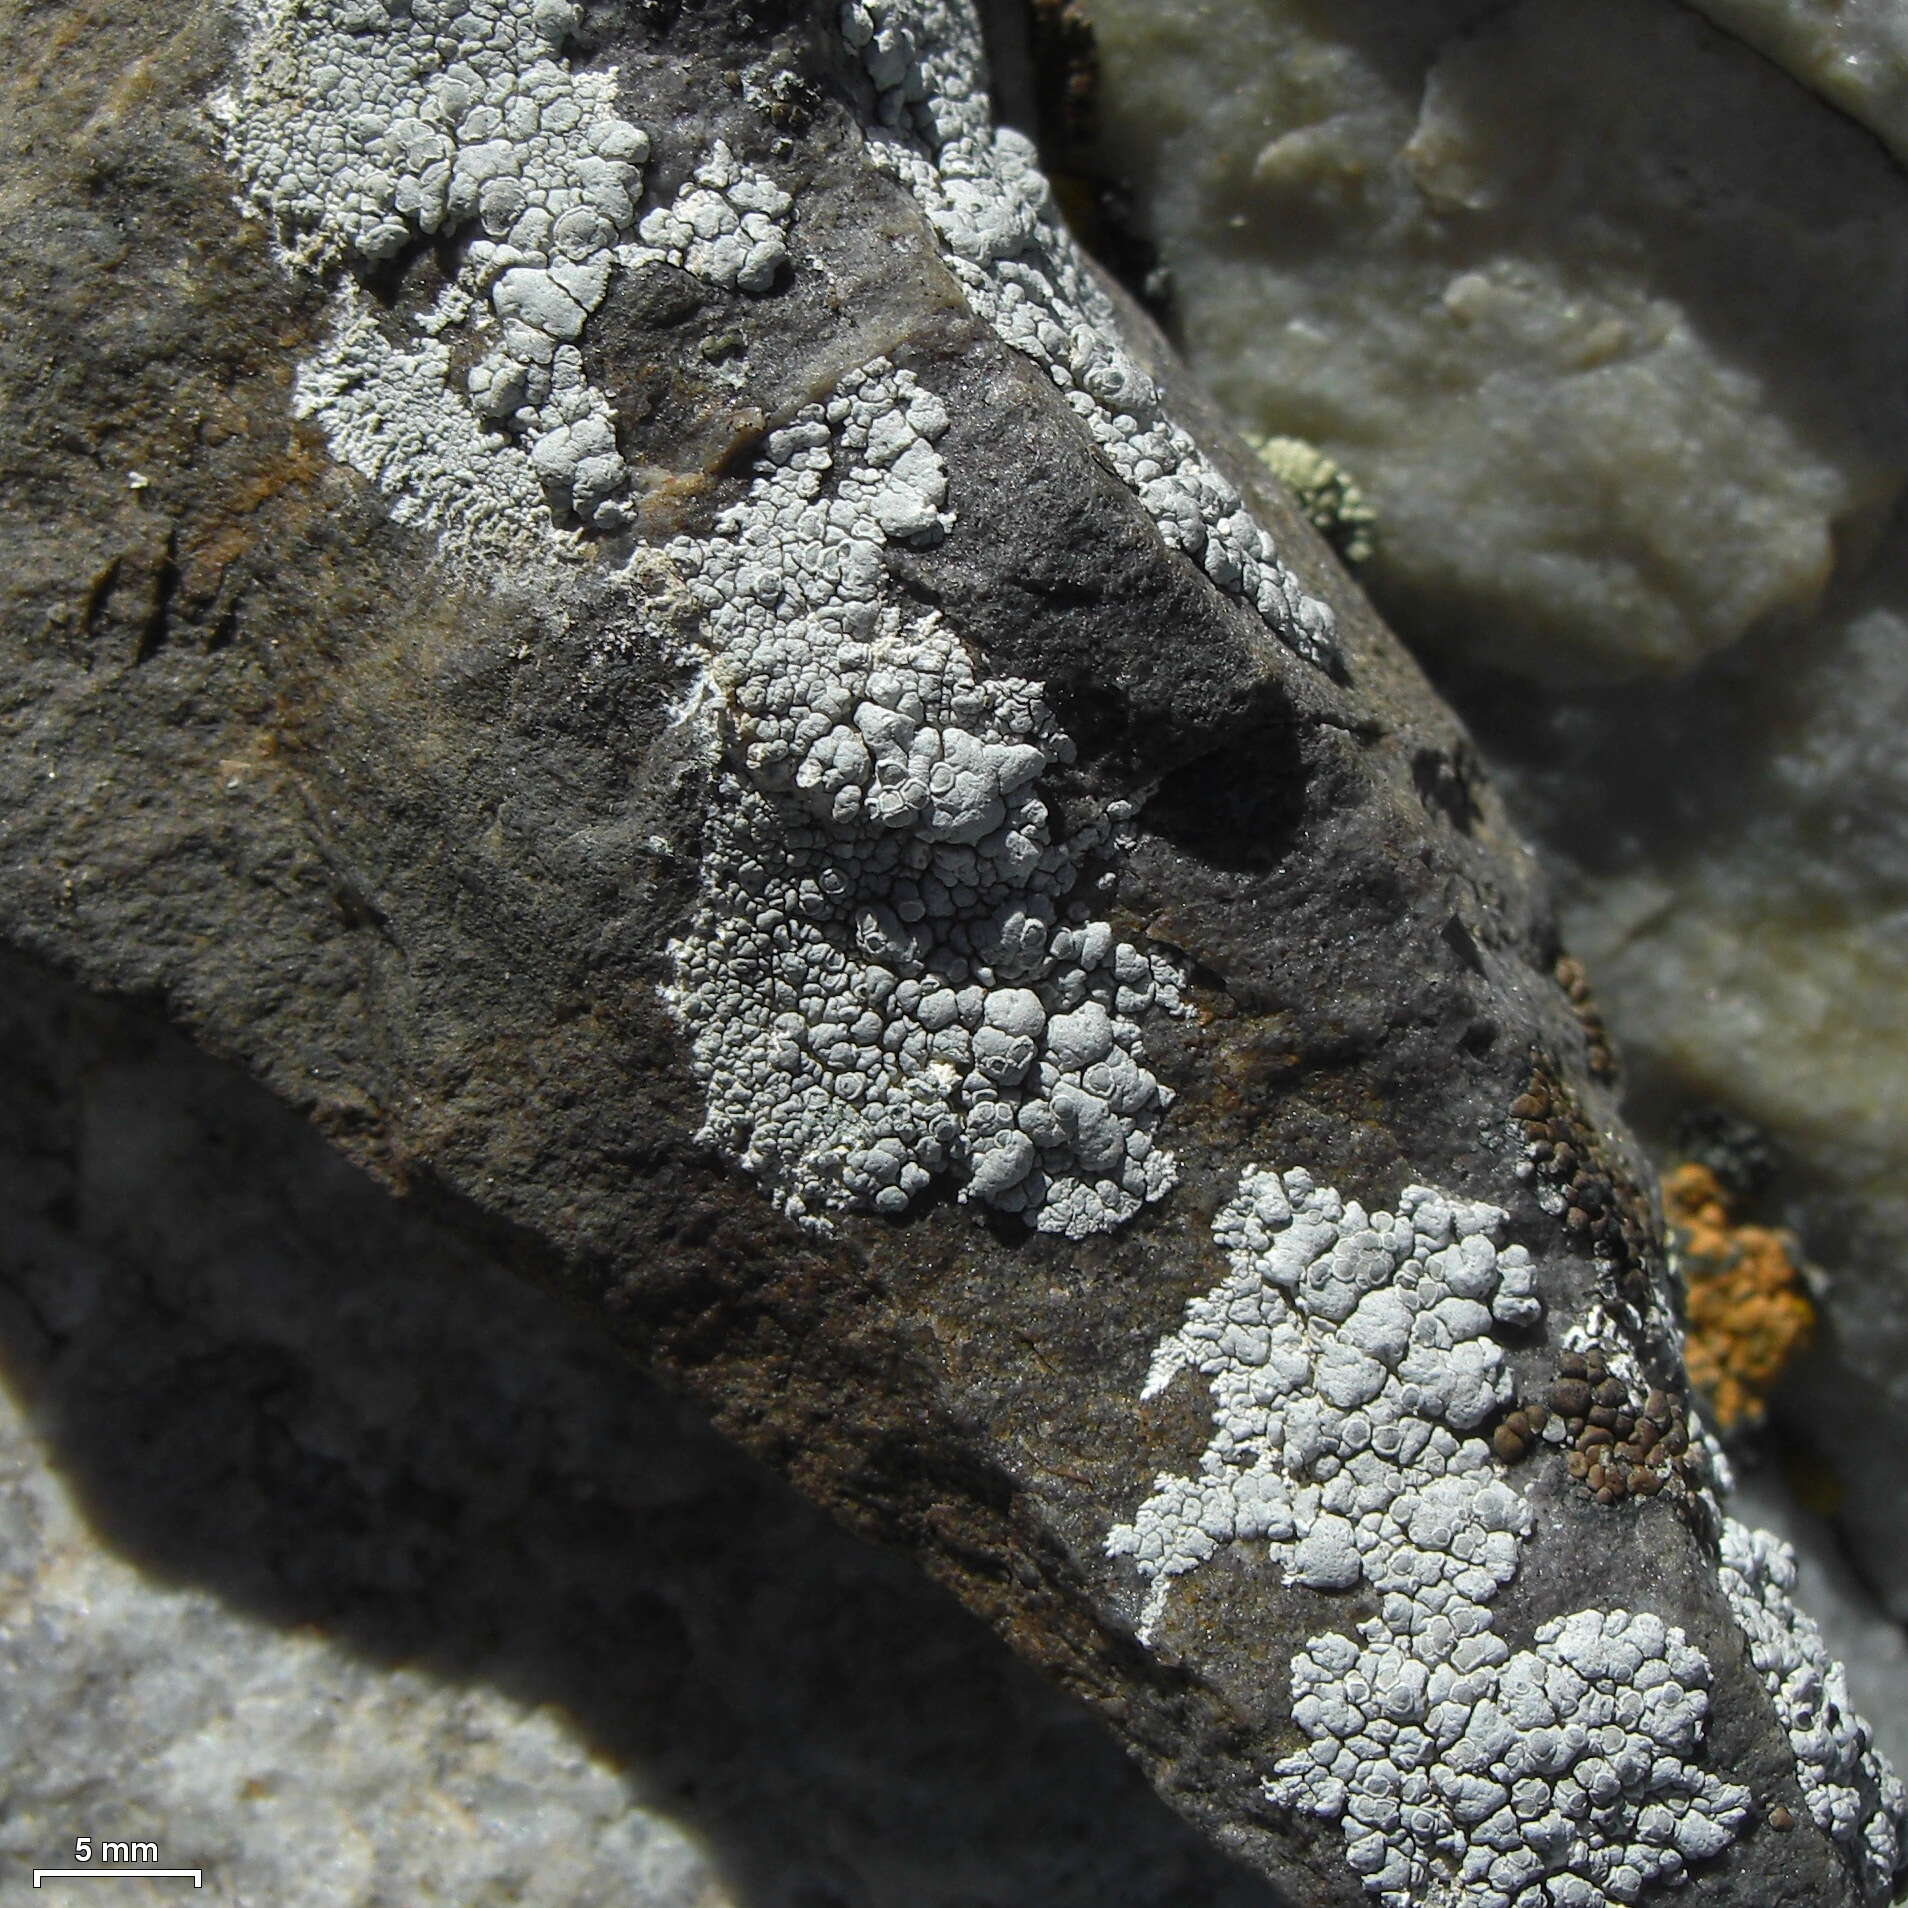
x: 443, y: 834
x: 1352, y: 1362
x: 891, y: 976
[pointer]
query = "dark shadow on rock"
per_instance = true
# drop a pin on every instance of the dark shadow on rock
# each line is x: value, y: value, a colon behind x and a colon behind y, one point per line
x: 265, y: 1377
x: 1242, y: 805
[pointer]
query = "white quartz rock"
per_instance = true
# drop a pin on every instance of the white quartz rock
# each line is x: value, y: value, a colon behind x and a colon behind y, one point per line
x: 1853, y: 52
x: 1599, y: 308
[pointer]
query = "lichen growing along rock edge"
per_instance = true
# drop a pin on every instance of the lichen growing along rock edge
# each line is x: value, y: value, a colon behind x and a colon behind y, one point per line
x: 1353, y: 1360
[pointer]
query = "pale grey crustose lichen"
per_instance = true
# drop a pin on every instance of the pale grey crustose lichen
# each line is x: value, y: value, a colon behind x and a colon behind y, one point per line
x: 359, y: 128
x: 983, y: 191
x: 1351, y: 1358
x: 1836, y: 1762
x: 891, y: 974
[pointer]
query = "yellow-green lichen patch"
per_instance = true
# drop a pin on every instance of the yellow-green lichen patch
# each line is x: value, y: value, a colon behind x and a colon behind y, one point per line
x: 1325, y: 491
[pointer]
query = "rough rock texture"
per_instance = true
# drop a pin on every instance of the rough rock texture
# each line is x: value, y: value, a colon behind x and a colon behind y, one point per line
x: 1598, y: 307
x: 871, y: 896
x: 352, y: 1570
x: 1728, y: 848
x: 1853, y: 52
x: 1733, y: 863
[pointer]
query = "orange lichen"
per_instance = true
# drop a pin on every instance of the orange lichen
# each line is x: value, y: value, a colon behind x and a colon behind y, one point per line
x: 1747, y: 1312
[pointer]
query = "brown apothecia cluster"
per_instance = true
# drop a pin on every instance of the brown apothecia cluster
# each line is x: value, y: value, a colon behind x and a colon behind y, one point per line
x: 1596, y: 1036
x: 1613, y: 1443
x: 1604, y: 1211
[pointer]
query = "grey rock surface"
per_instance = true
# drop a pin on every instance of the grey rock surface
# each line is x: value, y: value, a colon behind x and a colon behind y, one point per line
x: 785, y: 796
x: 1731, y: 864
x: 1726, y: 846
x: 351, y: 1570
x: 1853, y: 55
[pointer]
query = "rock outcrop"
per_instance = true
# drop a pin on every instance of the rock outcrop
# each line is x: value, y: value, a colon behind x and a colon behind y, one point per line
x: 1596, y: 304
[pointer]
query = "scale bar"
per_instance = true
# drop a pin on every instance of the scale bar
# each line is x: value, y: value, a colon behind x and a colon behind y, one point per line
x: 150, y: 1874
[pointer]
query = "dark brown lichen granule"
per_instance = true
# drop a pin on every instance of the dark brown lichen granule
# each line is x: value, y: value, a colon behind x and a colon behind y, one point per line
x: 1575, y: 983
x: 1614, y: 1443
x: 1603, y: 1211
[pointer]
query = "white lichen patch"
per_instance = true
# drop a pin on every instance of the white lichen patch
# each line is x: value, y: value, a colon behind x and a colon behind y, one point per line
x: 1346, y: 1352
x: 725, y: 226
x: 982, y: 190
x: 1851, y: 1791
x: 1562, y: 1776
x: 1351, y: 1360
x: 390, y: 414
x: 890, y: 974
x: 358, y: 124
x: 358, y: 127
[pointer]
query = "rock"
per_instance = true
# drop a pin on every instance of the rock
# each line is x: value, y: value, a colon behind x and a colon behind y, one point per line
x: 1727, y: 848
x: 1855, y: 56
x: 1597, y: 307
x: 1731, y: 864
x: 1858, y: 1631
x: 285, y: 1763
x: 624, y: 786
x: 347, y: 1567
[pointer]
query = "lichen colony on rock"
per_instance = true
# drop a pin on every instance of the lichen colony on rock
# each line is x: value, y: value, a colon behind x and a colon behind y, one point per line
x: 359, y: 128
x: 724, y: 226
x: 1836, y: 1761
x: 1351, y: 1358
x: 890, y: 974
x: 1747, y: 1312
x: 1345, y: 1353
x: 983, y: 192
